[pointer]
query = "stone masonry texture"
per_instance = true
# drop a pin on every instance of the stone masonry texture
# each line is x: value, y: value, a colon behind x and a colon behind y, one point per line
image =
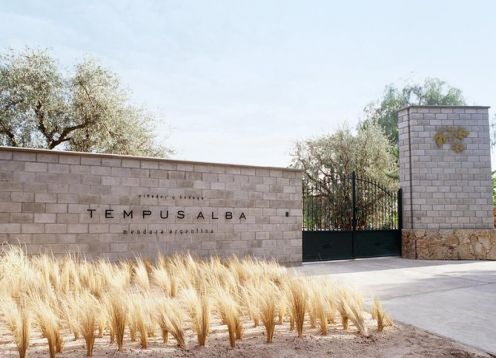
x: 449, y: 190
x: 444, y: 190
x: 459, y: 244
x: 120, y: 206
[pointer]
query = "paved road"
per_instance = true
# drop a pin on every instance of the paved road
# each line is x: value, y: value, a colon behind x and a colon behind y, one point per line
x: 456, y: 299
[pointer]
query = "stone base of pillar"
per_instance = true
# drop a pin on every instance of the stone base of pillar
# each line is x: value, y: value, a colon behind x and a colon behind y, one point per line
x: 446, y: 244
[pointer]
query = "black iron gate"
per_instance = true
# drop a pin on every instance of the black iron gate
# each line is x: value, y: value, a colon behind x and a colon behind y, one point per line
x: 350, y: 216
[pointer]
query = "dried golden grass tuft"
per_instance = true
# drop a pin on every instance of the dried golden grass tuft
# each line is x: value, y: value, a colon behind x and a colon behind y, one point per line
x: 330, y: 293
x: 141, y: 278
x: 140, y: 317
x: 161, y: 278
x: 319, y: 306
x: 249, y: 299
x: 69, y: 305
x: 18, y: 319
x: 297, y: 293
x: 49, y: 324
x: 229, y: 312
x: 178, y: 293
x: 170, y: 318
x: 351, y: 308
x: 88, y: 308
x: 198, y: 306
x: 116, y: 306
x: 343, y: 298
x: 380, y: 315
x: 269, y: 297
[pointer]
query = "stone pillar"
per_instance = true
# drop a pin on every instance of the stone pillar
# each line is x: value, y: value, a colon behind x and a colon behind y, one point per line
x: 445, y: 174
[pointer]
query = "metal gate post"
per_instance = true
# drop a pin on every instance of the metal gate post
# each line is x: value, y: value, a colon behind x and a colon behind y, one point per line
x: 400, y: 208
x: 353, y: 219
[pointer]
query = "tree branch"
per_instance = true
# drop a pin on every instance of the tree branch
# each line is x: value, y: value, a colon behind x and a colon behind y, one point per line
x: 87, y: 122
x: 63, y: 136
x: 40, y: 116
x: 8, y: 132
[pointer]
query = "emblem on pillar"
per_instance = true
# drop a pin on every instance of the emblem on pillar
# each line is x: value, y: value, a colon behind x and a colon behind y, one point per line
x: 453, y: 136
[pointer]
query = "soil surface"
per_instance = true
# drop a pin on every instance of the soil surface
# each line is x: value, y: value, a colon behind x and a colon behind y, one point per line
x: 398, y: 341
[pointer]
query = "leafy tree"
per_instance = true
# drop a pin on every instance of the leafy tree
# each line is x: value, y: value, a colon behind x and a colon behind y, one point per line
x: 367, y: 152
x: 329, y: 160
x: 371, y: 152
x: 88, y: 110
x: 432, y: 92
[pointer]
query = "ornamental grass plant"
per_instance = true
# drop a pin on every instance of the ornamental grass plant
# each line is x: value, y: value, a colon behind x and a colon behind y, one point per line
x: 297, y: 292
x: 229, y: 312
x: 116, y: 306
x: 173, y: 301
x: 268, y: 298
x: 380, y: 315
x: 48, y: 322
x: 87, y: 313
x: 170, y: 319
x: 18, y: 320
x: 198, y: 307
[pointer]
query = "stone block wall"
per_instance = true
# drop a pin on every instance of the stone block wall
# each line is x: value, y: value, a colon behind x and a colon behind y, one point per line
x: 446, y: 187
x: 444, y: 244
x: 450, y: 190
x: 120, y: 206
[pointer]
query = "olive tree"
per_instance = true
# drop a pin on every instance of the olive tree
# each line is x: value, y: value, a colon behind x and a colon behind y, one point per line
x: 432, y: 91
x: 42, y: 106
x: 366, y: 151
x: 329, y: 160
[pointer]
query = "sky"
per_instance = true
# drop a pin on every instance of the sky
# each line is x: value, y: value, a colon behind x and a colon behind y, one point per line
x: 242, y: 81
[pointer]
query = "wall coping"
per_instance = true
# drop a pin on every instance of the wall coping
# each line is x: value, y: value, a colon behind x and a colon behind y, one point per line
x: 441, y: 106
x: 121, y: 156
